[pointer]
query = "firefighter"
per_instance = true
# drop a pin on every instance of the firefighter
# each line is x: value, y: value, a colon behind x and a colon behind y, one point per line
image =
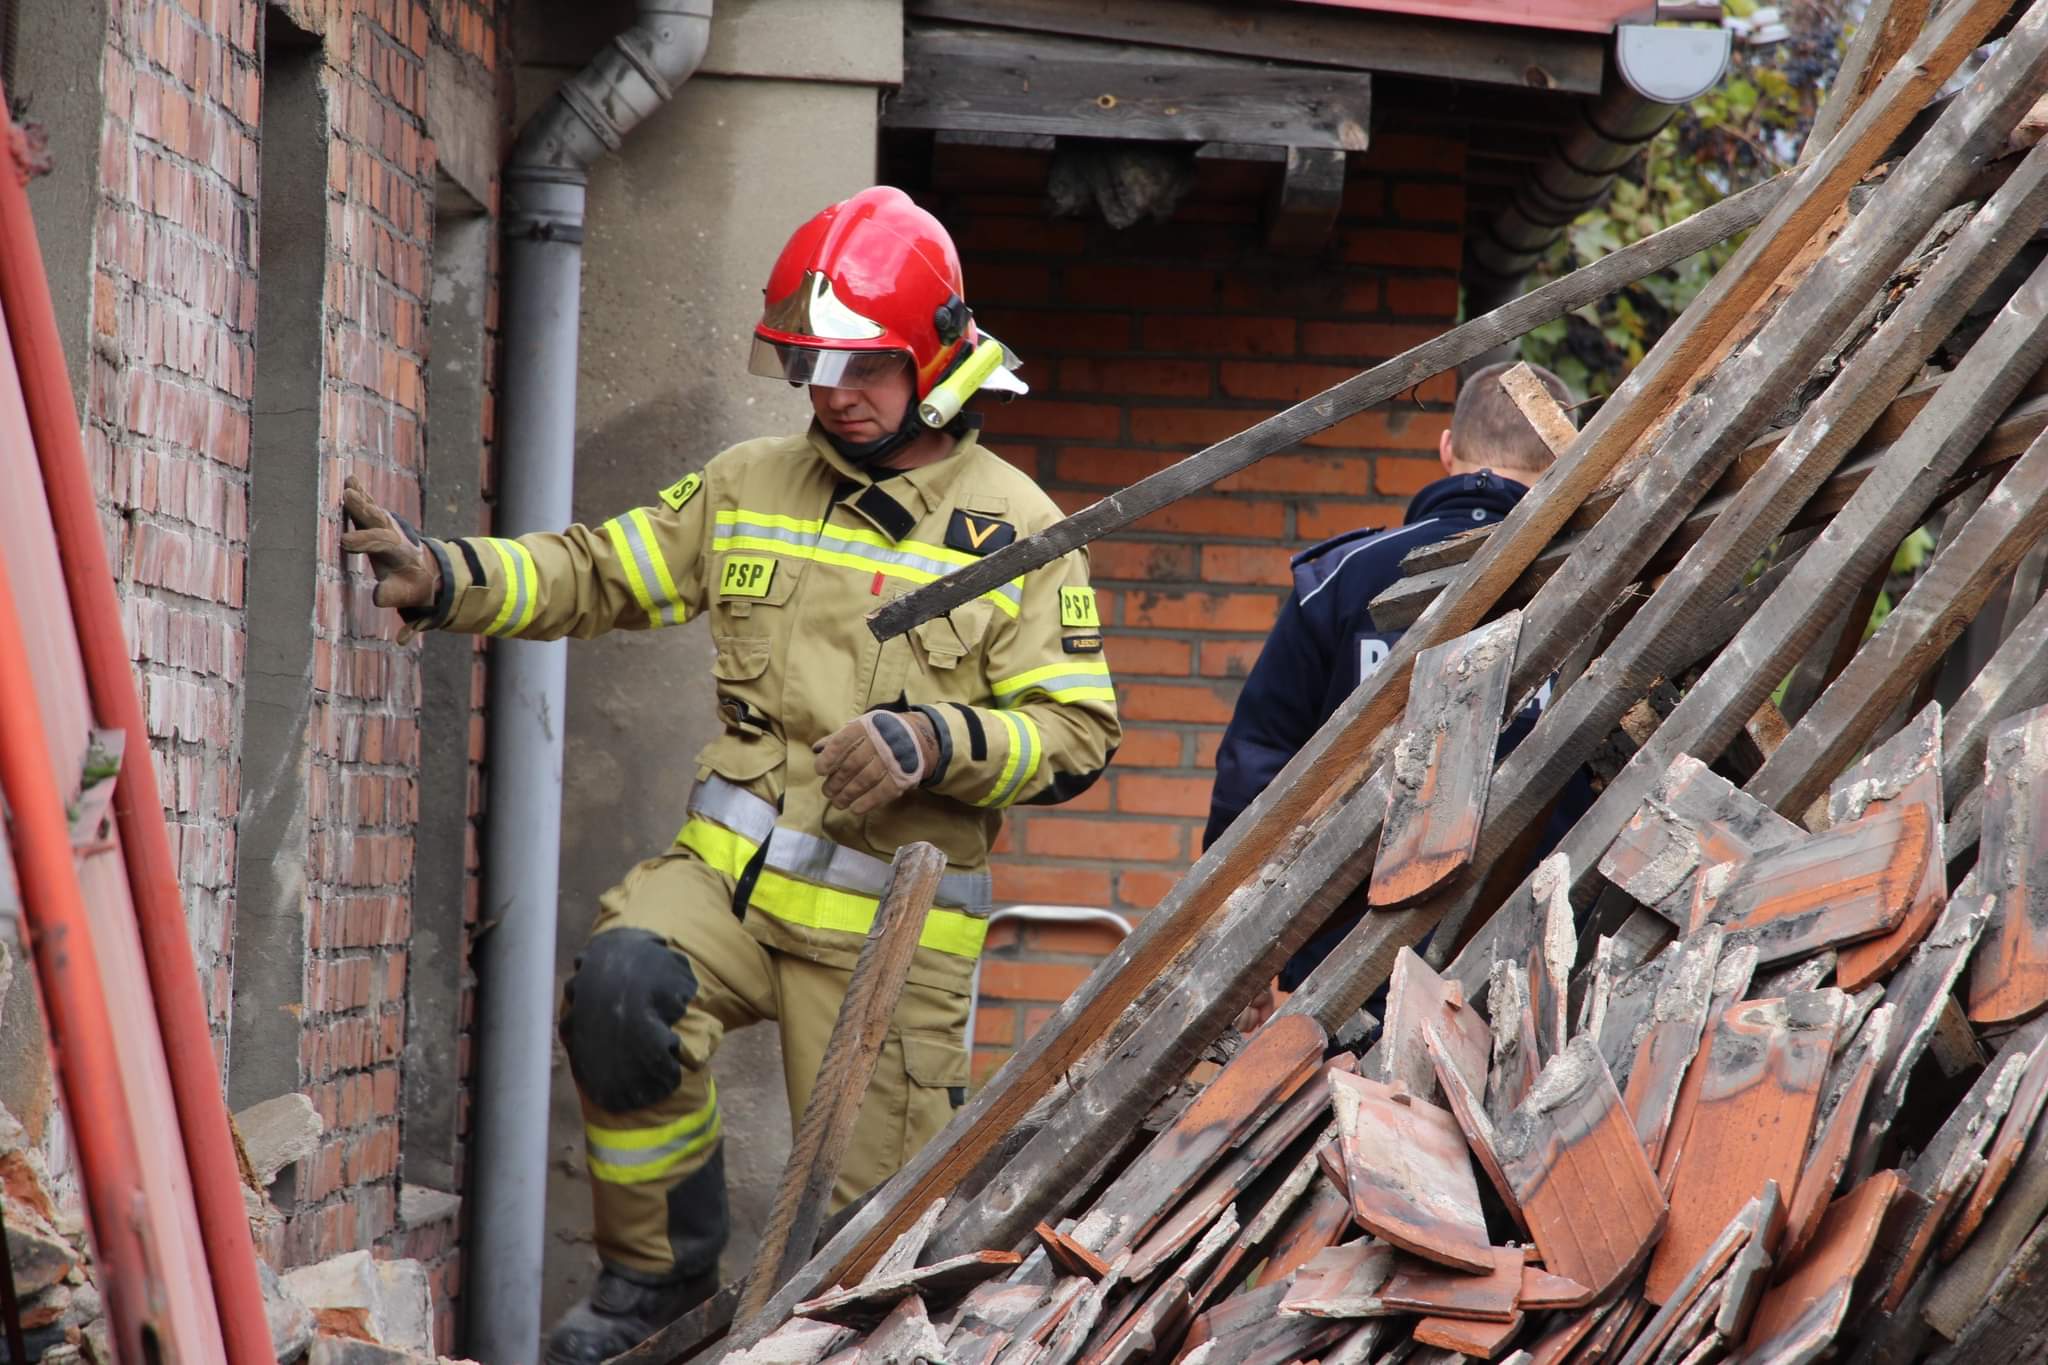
x: 835, y: 749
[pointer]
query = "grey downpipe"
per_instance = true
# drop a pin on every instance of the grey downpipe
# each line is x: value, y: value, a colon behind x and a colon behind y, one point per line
x: 544, y: 183
x: 1575, y: 176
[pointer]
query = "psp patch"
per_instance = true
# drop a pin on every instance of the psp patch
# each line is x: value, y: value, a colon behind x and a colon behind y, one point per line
x: 681, y: 491
x: 977, y: 534
x: 1077, y: 609
x: 746, y: 576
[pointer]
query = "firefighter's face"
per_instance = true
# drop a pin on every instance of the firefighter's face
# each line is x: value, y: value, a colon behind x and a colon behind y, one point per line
x: 865, y: 414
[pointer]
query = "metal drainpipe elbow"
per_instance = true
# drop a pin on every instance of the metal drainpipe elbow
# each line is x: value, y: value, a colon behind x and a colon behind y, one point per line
x: 630, y: 77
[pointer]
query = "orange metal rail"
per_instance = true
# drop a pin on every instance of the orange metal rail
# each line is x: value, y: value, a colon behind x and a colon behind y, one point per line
x: 152, y: 874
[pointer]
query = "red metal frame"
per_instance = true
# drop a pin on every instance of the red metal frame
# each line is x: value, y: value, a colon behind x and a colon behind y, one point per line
x: 74, y: 1001
x: 1578, y: 16
x: 145, y: 843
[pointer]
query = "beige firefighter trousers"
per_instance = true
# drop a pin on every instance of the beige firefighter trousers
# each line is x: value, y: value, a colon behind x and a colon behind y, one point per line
x: 636, y: 1157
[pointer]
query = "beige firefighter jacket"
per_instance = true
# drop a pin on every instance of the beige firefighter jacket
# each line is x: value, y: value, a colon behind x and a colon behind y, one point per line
x: 787, y: 548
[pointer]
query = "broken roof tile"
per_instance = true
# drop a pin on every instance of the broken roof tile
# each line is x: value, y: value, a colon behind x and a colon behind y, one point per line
x: 1409, y: 1173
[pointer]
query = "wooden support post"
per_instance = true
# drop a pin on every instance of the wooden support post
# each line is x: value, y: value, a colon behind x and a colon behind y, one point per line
x: 1305, y: 206
x: 865, y: 1014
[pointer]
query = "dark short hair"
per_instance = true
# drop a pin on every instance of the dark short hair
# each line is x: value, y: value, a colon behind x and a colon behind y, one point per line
x: 1488, y: 429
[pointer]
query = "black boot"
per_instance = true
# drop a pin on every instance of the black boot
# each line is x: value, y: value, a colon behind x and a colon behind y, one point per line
x: 622, y: 1312
x: 626, y: 1307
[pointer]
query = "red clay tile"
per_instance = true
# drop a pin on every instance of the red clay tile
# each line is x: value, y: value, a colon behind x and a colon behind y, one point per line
x: 1409, y: 1174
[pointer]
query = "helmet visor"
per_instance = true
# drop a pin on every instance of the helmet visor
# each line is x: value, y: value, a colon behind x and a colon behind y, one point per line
x: 817, y: 365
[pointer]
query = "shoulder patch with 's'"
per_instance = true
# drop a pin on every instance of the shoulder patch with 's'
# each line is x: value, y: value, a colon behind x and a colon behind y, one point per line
x: 1082, y: 644
x: 681, y: 491
x: 1077, y: 609
x: 977, y: 534
x: 746, y: 576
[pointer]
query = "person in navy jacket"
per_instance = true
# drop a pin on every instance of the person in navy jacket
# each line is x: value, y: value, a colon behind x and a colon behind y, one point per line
x: 1325, y: 641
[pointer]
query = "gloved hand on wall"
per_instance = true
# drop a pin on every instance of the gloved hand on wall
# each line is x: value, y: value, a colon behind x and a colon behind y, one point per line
x: 407, y: 577
x: 875, y: 758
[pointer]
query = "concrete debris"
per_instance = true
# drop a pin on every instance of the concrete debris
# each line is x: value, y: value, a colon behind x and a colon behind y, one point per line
x: 355, y: 1295
x: 277, y: 1133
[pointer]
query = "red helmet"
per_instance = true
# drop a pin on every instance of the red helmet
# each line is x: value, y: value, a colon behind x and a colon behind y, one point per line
x: 866, y: 283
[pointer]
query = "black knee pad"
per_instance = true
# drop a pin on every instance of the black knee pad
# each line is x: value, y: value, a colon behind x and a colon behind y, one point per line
x: 618, y: 1017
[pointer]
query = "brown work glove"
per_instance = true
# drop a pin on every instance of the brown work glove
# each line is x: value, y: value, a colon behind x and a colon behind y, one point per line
x: 875, y: 758
x: 407, y: 576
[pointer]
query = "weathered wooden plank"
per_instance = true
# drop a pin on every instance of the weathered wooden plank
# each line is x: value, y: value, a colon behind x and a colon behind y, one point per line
x: 873, y: 1297
x: 1409, y: 1174
x: 1926, y: 621
x: 2009, y: 977
x: 1404, y: 600
x: 1596, y: 986
x: 1764, y: 1073
x: 1887, y: 29
x: 2012, y: 1327
x: 1442, y: 763
x: 1280, y: 1058
x: 987, y: 80
x: 1968, y: 1281
x: 1905, y: 768
x: 1677, y: 1021
x: 1890, y: 425
x: 826, y: 1130
x: 2002, y: 1157
x: 2013, y: 680
x: 1432, y: 1291
x: 1539, y: 408
x: 1414, y: 45
x: 1801, y: 1313
x: 1918, y: 992
x: 1579, y: 1174
x: 1835, y: 1126
x: 1732, y: 975
x: 1417, y: 999
x: 1863, y: 536
x: 1851, y: 882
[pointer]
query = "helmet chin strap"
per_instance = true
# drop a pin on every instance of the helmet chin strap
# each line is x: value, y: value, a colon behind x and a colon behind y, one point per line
x: 863, y: 454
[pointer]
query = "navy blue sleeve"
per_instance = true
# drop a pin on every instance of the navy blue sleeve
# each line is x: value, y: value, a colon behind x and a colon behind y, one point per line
x: 1279, y: 710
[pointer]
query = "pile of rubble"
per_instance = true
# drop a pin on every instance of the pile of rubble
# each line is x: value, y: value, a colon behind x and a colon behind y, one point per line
x: 351, y: 1310
x: 1751, y: 1066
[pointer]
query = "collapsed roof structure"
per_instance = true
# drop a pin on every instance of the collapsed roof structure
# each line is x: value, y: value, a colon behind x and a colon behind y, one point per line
x: 1750, y: 1067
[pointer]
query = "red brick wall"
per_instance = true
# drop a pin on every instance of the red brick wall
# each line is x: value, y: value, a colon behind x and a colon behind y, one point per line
x: 168, y: 435
x: 1143, y: 346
